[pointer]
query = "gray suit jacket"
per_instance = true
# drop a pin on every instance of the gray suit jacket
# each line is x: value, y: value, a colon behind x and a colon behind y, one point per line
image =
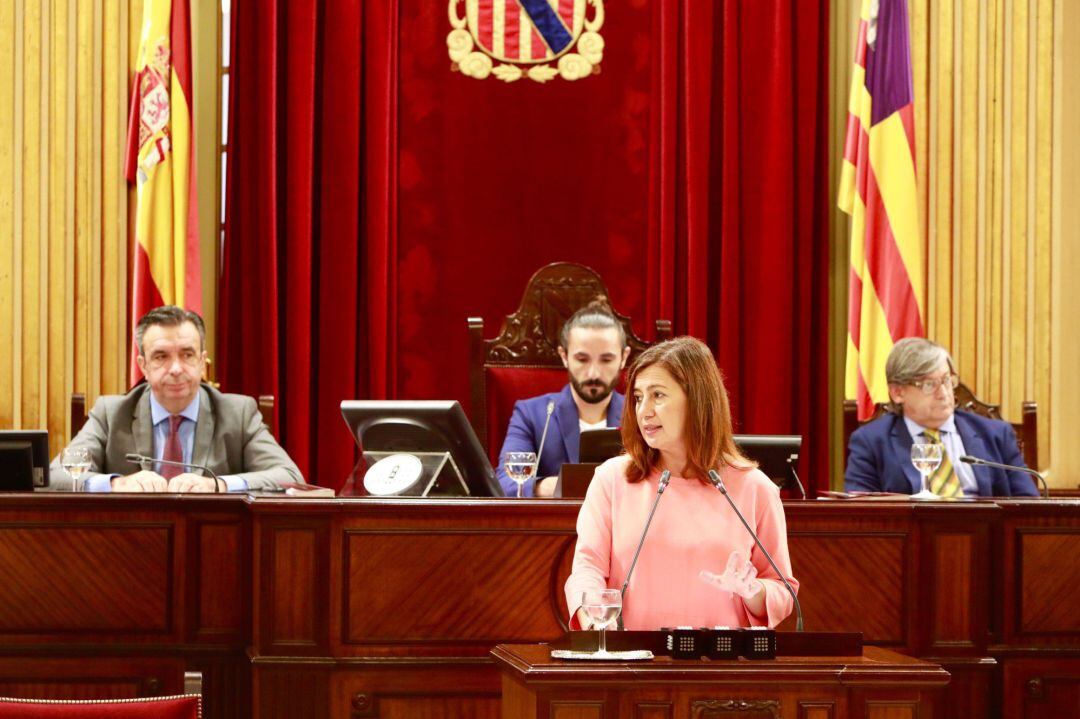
x: 230, y: 439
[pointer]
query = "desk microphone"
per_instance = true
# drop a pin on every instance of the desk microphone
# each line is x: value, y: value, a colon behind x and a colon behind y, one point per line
x: 719, y: 484
x: 543, y: 438
x: 968, y: 459
x: 798, y: 482
x: 664, y: 479
x: 142, y: 459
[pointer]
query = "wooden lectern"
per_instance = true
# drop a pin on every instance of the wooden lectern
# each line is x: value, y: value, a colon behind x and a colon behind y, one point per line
x: 878, y: 684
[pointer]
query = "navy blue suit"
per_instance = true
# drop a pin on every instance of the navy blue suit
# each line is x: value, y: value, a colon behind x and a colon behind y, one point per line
x: 563, y: 437
x: 880, y: 458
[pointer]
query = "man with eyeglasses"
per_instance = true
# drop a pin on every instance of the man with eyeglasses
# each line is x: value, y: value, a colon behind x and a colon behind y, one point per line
x: 173, y: 416
x: 922, y: 378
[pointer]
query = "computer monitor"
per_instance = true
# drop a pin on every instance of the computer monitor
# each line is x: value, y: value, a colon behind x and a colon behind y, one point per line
x: 24, y: 460
x: 776, y: 455
x: 422, y: 426
x: 600, y: 445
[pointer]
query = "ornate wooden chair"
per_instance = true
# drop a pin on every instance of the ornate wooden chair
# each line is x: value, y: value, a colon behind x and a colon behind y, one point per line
x: 1027, y: 430
x: 523, y: 359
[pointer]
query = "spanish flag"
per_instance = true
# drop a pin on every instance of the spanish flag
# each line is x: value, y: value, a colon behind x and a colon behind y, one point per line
x: 161, y: 161
x: 887, y: 296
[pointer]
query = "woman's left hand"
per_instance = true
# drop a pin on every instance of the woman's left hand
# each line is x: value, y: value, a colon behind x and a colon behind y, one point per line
x: 739, y: 577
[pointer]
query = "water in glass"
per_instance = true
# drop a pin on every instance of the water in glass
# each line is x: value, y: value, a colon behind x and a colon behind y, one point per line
x: 519, y: 467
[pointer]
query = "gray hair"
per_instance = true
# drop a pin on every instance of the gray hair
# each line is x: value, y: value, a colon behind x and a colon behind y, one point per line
x: 168, y: 316
x: 596, y: 315
x: 915, y: 357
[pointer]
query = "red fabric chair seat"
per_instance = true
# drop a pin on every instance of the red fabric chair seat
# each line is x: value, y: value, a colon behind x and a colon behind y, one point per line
x: 186, y: 706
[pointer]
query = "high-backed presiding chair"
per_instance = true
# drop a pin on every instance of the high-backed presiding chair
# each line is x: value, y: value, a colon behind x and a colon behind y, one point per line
x: 1027, y: 430
x: 523, y: 359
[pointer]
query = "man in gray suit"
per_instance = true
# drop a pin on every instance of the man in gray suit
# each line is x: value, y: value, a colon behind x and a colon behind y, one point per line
x: 173, y: 416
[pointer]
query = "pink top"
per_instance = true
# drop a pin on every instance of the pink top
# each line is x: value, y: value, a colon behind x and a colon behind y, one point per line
x: 694, y: 529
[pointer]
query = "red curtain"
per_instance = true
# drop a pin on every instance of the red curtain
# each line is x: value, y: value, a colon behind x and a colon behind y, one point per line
x: 376, y: 199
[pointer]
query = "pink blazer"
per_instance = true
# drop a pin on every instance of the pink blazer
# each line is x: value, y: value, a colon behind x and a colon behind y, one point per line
x: 694, y: 529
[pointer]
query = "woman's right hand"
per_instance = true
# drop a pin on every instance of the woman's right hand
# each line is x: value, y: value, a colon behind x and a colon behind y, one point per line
x: 583, y: 619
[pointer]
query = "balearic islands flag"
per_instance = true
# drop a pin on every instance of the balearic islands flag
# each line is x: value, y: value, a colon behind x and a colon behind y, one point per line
x: 161, y: 160
x: 887, y: 294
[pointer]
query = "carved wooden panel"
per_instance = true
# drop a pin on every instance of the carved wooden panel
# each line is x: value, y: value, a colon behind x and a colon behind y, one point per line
x: 817, y: 710
x: 735, y: 709
x: 653, y: 710
x: 85, y: 578
x: 839, y: 571
x: 444, y: 707
x: 952, y: 619
x: 474, y: 587
x: 1038, y: 688
x: 891, y: 710
x: 295, y: 595
x: 290, y: 692
x: 1048, y: 576
x: 576, y: 709
x: 89, y: 677
x: 219, y: 592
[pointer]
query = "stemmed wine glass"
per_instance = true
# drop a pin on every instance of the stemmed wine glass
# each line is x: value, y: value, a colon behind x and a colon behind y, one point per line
x: 926, y: 456
x: 602, y: 607
x: 76, y: 462
x: 519, y: 467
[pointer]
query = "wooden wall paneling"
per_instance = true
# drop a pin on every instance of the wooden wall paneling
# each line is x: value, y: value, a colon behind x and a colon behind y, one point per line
x: 1040, y: 574
x: 293, y: 586
x: 218, y: 580
x: 437, y: 688
x: 1038, y: 688
x: 58, y: 592
x: 288, y: 691
x: 226, y: 683
x: 867, y: 562
x: 974, y: 686
x: 508, y: 592
x: 954, y: 583
x: 90, y: 677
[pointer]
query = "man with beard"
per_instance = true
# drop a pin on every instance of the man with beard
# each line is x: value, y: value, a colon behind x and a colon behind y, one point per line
x: 593, y: 349
x: 922, y: 379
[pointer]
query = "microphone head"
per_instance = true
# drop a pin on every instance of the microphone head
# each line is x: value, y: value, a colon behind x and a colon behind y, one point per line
x: 550, y: 406
x: 968, y: 459
x: 665, y: 477
x: 132, y: 457
x: 714, y: 477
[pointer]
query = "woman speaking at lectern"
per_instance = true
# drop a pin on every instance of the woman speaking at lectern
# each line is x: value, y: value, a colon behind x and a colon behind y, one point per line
x: 698, y: 565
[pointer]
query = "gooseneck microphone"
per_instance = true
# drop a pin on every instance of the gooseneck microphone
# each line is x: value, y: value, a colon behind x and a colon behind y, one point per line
x: 665, y: 477
x: 798, y: 482
x: 719, y: 484
x: 968, y: 459
x: 543, y: 438
x: 141, y: 459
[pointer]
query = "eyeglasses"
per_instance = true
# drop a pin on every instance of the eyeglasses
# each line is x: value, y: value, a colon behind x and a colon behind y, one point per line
x: 930, y: 386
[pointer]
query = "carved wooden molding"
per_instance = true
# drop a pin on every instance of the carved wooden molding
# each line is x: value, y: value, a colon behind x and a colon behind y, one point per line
x: 364, y: 706
x: 741, y: 708
x: 531, y: 334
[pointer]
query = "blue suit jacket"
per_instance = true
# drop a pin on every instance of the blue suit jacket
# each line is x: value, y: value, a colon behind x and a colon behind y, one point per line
x: 880, y: 458
x: 563, y: 437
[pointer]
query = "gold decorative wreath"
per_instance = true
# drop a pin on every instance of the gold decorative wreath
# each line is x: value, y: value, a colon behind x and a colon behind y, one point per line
x: 582, y: 59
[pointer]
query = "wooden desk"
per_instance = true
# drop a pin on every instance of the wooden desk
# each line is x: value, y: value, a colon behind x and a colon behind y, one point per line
x: 389, y: 608
x: 878, y: 685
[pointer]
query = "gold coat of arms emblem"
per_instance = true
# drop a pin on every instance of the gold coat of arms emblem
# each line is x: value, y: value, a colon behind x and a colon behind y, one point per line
x: 537, y: 39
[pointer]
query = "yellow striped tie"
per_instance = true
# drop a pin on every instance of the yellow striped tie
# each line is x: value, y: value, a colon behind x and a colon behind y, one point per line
x: 943, y: 482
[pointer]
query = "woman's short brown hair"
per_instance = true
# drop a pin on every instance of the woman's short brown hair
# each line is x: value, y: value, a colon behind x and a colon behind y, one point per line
x: 709, y: 439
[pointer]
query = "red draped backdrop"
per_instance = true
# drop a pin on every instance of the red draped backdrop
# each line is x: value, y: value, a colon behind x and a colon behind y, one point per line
x: 375, y: 199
